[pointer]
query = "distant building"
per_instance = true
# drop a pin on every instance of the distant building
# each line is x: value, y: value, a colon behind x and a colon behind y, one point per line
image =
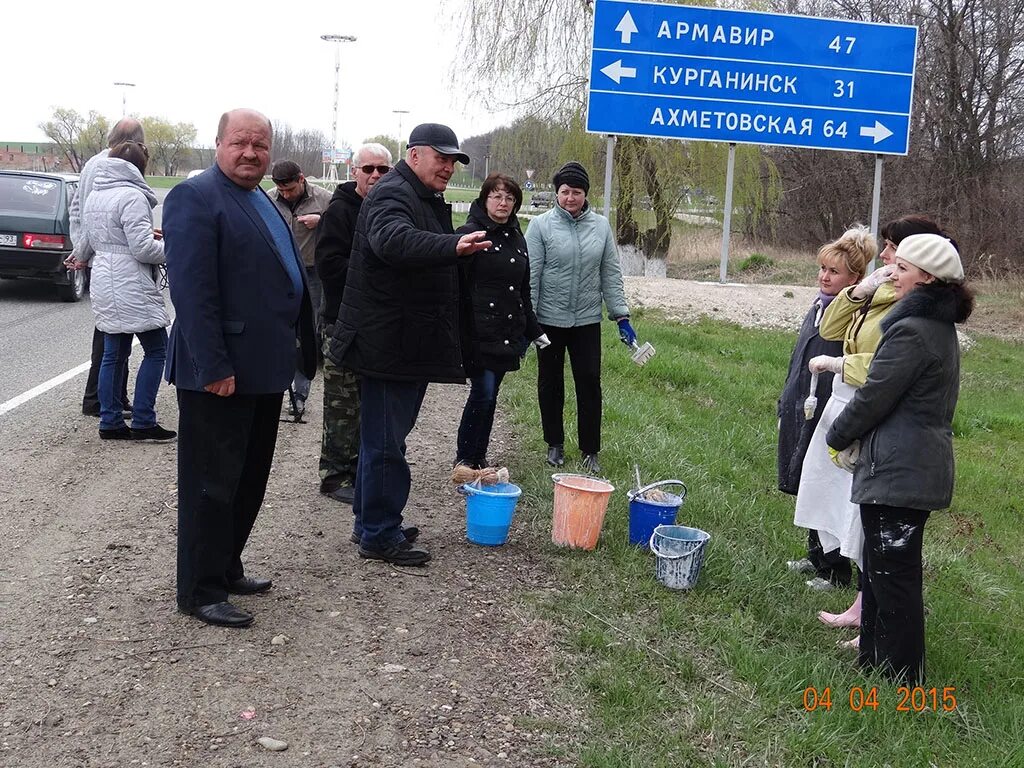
x: 26, y: 156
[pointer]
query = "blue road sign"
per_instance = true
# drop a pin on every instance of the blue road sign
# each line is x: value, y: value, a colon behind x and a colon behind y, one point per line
x: 709, y: 74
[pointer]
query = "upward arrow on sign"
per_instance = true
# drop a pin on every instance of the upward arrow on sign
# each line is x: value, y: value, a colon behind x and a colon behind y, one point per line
x: 627, y: 28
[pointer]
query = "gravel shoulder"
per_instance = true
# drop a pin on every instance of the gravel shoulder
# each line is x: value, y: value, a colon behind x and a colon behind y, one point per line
x: 350, y: 662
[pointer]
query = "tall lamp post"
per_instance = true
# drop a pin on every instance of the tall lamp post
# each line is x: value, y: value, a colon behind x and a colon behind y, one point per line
x: 337, y: 40
x: 124, y: 96
x: 399, y: 112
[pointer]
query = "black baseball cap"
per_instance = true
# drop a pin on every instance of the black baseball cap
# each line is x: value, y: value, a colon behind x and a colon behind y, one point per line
x: 440, y: 137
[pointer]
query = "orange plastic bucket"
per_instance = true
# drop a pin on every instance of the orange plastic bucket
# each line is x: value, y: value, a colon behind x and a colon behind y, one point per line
x: 580, y: 506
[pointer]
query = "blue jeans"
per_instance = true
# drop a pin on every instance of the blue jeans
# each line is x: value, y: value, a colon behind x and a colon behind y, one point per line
x: 116, y: 347
x: 388, y: 411
x: 478, y: 419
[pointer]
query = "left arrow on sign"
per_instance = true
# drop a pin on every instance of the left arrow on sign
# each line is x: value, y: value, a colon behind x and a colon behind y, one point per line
x: 627, y: 28
x: 878, y: 132
x: 616, y: 71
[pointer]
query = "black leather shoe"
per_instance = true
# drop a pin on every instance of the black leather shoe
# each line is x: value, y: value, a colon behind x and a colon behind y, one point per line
x: 556, y: 455
x: 411, y: 534
x: 396, y: 554
x: 249, y: 586
x: 590, y: 463
x: 121, y: 433
x: 154, y: 434
x: 346, y: 494
x: 223, y: 615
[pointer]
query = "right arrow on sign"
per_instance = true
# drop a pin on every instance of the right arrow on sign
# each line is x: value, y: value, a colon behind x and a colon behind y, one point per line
x: 616, y: 71
x: 627, y: 28
x: 878, y: 132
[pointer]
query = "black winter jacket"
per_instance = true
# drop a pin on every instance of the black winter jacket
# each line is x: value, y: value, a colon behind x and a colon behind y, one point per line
x: 794, y: 430
x: 400, y: 313
x: 498, y: 281
x: 903, y: 415
x: 335, y: 233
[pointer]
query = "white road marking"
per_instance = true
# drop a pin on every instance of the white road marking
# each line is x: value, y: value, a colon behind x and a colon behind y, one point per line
x: 46, y: 386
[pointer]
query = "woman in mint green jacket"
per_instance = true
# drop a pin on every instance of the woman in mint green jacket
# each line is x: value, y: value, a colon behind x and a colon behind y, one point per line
x: 574, y: 268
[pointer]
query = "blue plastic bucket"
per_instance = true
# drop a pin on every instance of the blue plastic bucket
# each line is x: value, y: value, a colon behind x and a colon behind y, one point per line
x: 489, y: 511
x: 680, y: 554
x: 645, y: 514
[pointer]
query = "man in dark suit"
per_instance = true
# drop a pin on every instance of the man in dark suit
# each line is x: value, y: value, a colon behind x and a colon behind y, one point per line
x: 400, y: 326
x: 241, y: 301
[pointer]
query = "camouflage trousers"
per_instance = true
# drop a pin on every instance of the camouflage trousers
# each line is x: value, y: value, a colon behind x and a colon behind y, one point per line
x: 339, y: 451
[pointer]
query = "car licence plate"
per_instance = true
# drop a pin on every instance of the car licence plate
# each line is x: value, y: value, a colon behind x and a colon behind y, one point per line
x: 11, y: 240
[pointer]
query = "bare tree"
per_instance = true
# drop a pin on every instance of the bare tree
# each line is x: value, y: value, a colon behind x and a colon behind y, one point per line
x: 169, y: 143
x: 305, y: 147
x: 76, y: 137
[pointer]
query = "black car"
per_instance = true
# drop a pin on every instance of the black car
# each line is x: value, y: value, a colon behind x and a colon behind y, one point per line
x: 35, y: 232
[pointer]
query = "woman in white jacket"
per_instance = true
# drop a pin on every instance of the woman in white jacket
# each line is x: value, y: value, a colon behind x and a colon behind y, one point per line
x: 117, y: 229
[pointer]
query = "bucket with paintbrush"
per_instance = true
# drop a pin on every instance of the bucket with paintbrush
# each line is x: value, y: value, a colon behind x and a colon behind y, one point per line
x: 650, y: 506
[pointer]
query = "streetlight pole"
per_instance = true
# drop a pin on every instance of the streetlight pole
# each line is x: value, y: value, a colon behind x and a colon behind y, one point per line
x: 337, y: 40
x: 124, y: 96
x: 399, y: 112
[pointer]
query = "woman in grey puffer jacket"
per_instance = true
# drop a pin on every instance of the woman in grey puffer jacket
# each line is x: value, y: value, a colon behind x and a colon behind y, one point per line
x: 574, y: 268
x: 117, y: 230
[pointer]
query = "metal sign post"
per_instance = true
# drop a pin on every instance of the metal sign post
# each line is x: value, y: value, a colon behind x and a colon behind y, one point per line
x: 876, y: 197
x: 730, y: 169
x: 609, y: 156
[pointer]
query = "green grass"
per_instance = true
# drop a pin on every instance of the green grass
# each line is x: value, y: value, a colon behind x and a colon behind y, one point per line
x: 163, y: 182
x: 716, y: 676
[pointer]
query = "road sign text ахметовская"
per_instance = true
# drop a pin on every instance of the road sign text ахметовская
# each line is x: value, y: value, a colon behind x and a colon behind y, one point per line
x: 711, y: 74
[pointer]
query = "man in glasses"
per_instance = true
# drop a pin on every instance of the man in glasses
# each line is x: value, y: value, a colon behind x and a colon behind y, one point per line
x: 301, y: 204
x: 401, y: 326
x: 339, y: 449
x: 125, y: 129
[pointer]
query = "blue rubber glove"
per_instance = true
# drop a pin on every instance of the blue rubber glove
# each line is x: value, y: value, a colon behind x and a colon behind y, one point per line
x: 626, y: 332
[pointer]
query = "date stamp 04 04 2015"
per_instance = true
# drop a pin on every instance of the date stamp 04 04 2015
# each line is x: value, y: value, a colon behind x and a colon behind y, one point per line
x: 916, y: 699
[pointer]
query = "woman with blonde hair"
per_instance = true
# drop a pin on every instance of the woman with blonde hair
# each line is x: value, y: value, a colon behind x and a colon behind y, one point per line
x: 841, y: 264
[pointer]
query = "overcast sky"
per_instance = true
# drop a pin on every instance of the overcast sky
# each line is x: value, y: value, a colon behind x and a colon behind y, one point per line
x: 190, y: 61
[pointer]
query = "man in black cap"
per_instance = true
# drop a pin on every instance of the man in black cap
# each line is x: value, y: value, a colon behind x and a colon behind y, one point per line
x: 400, y: 327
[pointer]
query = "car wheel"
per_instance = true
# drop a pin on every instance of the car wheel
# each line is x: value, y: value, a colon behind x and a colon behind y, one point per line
x: 74, y: 289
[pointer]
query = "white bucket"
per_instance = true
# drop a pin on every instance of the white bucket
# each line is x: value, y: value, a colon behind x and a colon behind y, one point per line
x: 679, y: 554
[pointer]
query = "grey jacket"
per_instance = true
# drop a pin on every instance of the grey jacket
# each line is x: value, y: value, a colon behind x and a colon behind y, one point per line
x: 116, y: 238
x: 903, y: 415
x: 86, y: 178
x: 574, y: 265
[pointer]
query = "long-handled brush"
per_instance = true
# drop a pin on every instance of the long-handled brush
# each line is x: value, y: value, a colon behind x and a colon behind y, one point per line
x: 811, y: 403
x: 642, y: 353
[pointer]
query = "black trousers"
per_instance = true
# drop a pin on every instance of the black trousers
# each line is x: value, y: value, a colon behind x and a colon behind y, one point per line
x: 830, y: 566
x: 225, y: 449
x: 892, y: 611
x: 584, y: 345
x: 91, y: 398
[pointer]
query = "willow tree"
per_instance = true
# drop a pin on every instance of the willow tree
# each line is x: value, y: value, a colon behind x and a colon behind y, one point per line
x: 533, y: 56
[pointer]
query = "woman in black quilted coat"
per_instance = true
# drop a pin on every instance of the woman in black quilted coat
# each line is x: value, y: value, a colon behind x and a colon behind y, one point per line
x: 498, y: 283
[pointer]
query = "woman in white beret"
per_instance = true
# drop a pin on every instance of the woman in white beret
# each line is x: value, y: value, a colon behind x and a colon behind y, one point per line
x: 896, y: 436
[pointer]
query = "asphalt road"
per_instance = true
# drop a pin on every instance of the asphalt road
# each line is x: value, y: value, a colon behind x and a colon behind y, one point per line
x: 42, y: 337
